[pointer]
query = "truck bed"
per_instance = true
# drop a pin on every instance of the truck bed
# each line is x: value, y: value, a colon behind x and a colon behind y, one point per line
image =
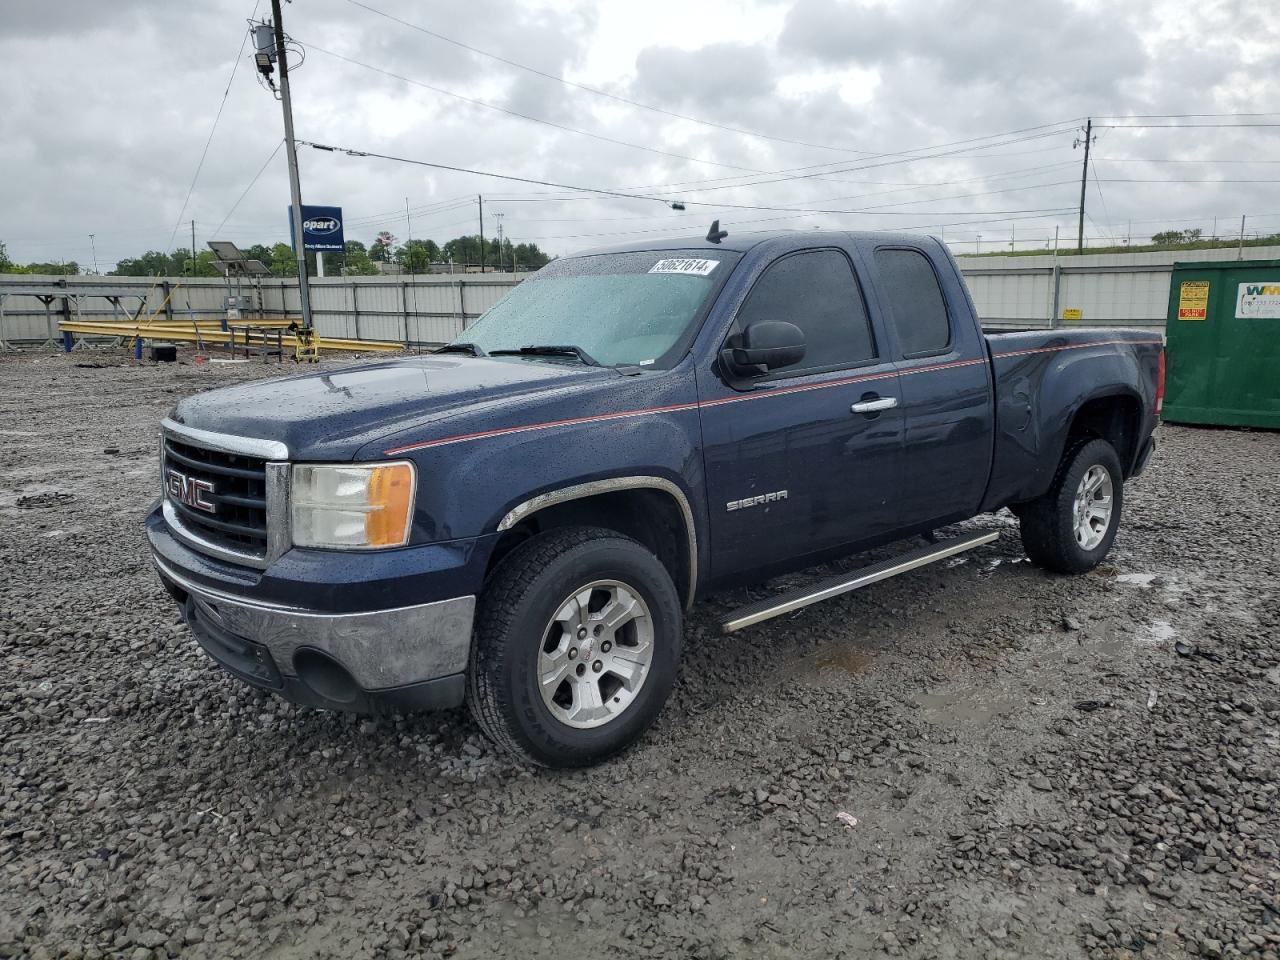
x: 1045, y: 381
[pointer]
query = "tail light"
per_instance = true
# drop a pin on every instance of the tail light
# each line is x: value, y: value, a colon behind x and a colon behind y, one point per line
x: 1160, y: 384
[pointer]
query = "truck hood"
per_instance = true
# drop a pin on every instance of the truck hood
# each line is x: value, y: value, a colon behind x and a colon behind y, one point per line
x: 330, y: 415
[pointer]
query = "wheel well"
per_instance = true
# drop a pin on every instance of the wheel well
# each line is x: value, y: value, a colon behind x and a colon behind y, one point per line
x: 1114, y: 419
x: 651, y: 517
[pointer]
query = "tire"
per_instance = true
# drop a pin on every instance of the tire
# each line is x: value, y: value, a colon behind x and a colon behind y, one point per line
x: 1053, y: 528
x: 531, y: 625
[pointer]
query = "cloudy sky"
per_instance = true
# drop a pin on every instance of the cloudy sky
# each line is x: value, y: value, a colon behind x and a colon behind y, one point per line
x: 953, y: 117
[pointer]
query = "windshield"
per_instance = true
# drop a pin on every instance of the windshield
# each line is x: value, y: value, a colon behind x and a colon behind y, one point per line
x: 623, y: 308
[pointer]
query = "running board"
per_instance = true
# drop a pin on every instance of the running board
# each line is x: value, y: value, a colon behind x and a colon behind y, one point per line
x: 804, y: 596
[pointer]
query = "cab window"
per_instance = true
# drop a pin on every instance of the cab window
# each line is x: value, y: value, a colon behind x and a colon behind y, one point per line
x: 817, y: 291
x: 909, y: 287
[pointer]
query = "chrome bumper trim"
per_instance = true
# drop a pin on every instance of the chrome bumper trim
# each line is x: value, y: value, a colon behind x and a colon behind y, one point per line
x: 226, y: 442
x: 381, y: 648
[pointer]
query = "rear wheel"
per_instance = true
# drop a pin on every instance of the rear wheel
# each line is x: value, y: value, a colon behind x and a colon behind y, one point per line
x: 576, y: 647
x: 1070, y: 529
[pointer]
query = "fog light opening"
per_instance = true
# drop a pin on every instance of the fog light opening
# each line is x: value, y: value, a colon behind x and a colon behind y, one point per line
x: 325, y: 676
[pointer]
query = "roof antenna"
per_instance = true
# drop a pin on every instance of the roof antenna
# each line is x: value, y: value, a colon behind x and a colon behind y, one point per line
x: 715, y: 234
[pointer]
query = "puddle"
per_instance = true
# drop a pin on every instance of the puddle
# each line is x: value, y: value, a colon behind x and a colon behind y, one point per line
x: 968, y: 706
x: 851, y: 661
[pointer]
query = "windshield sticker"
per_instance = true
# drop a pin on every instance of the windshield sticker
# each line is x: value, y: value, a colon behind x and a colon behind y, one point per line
x: 698, y: 268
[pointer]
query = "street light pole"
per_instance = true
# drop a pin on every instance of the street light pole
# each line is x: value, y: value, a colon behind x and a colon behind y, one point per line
x: 291, y: 151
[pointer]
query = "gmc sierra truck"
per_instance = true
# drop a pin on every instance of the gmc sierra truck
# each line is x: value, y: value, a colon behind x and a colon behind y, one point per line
x: 521, y: 520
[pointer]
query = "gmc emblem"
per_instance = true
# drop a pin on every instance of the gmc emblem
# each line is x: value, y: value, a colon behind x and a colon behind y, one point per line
x: 191, y: 491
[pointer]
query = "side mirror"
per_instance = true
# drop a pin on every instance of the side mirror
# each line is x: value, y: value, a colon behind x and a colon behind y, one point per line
x: 763, y: 346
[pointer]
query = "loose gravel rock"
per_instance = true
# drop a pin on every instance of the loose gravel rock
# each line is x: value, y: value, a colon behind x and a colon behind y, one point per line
x: 1027, y: 765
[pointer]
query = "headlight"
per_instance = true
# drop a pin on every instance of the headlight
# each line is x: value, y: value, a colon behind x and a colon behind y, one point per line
x: 352, y: 505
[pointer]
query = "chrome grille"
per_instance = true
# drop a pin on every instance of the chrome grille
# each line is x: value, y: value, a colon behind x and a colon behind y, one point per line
x: 239, y: 495
x: 225, y: 496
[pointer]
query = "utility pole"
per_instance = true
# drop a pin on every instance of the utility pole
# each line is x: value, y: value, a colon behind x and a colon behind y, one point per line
x: 1057, y: 281
x: 291, y: 151
x: 1240, y: 249
x: 408, y: 228
x: 94, y: 247
x: 1084, y: 180
x: 193, y: 248
x: 484, y: 256
x: 498, y: 217
x: 978, y: 249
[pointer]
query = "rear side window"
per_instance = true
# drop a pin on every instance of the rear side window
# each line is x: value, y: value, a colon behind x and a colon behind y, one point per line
x: 817, y: 292
x: 919, y: 313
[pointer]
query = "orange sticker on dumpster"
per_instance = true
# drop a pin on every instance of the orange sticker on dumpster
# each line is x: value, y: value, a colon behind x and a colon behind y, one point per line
x: 1193, y: 300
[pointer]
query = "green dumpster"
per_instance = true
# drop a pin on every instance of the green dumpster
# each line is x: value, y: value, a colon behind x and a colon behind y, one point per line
x: 1223, y: 344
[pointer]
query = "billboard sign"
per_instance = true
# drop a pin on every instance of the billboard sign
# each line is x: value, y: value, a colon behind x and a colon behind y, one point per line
x: 321, y: 228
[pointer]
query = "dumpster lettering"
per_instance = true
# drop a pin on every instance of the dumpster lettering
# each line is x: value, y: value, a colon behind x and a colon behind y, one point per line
x: 1256, y: 301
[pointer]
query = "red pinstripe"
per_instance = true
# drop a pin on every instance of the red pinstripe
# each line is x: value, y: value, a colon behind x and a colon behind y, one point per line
x: 778, y: 392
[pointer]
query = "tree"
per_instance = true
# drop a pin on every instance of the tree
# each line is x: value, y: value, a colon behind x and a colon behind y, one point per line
x: 150, y: 264
x: 282, y: 262
x: 259, y: 252
x: 382, y: 247
x: 528, y: 256
x: 206, y: 263
x: 65, y: 268
x: 358, y: 262
x: 6, y: 265
x: 1175, y: 238
x: 415, y: 256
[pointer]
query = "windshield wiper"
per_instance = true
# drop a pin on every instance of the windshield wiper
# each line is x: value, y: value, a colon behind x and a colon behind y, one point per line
x: 550, y: 350
x: 468, y: 348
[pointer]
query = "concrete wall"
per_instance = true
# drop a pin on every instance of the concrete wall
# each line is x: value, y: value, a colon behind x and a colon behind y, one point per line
x: 1124, y: 289
x: 424, y: 309
x: 1109, y: 289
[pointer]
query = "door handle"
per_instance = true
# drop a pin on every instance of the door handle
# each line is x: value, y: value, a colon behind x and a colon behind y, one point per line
x: 874, y: 406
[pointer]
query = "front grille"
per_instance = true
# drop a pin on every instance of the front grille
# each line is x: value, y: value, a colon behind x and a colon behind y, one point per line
x: 239, y: 495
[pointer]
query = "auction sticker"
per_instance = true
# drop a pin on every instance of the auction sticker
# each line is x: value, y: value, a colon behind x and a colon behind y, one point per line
x: 697, y: 268
x: 1258, y: 301
x: 1193, y: 300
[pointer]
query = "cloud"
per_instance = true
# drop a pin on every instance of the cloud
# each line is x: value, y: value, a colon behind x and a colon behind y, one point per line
x: 111, y: 104
x: 713, y: 76
x: 1045, y: 45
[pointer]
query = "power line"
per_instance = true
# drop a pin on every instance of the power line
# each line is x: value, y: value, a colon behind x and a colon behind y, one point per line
x: 1098, y: 186
x: 1174, y: 160
x: 897, y: 158
x: 235, y: 64
x: 1158, y: 126
x: 798, y: 216
x: 823, y: 175
x: 1177, y: 116
x: 603, y: 191
x: 245, y: 193
x: 1180, y: 180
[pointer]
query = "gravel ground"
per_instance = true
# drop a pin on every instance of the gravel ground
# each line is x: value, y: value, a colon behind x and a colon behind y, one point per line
x: 975, y: 760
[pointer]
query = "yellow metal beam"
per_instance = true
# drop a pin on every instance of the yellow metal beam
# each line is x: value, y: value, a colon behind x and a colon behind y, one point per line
x: 214, y: 335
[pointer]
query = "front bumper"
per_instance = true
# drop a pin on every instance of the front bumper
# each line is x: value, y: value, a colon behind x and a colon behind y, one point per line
x: 395, y: 657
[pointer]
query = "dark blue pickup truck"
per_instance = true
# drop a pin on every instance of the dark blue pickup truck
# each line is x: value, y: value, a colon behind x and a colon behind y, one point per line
x: 521, y: 519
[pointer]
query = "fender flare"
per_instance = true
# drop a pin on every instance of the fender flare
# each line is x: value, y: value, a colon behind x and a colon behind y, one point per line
x: 612, y: 485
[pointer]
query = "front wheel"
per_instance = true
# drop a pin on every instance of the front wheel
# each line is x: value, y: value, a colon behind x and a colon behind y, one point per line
x: 1070, y: 528
x: 576, y: 647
